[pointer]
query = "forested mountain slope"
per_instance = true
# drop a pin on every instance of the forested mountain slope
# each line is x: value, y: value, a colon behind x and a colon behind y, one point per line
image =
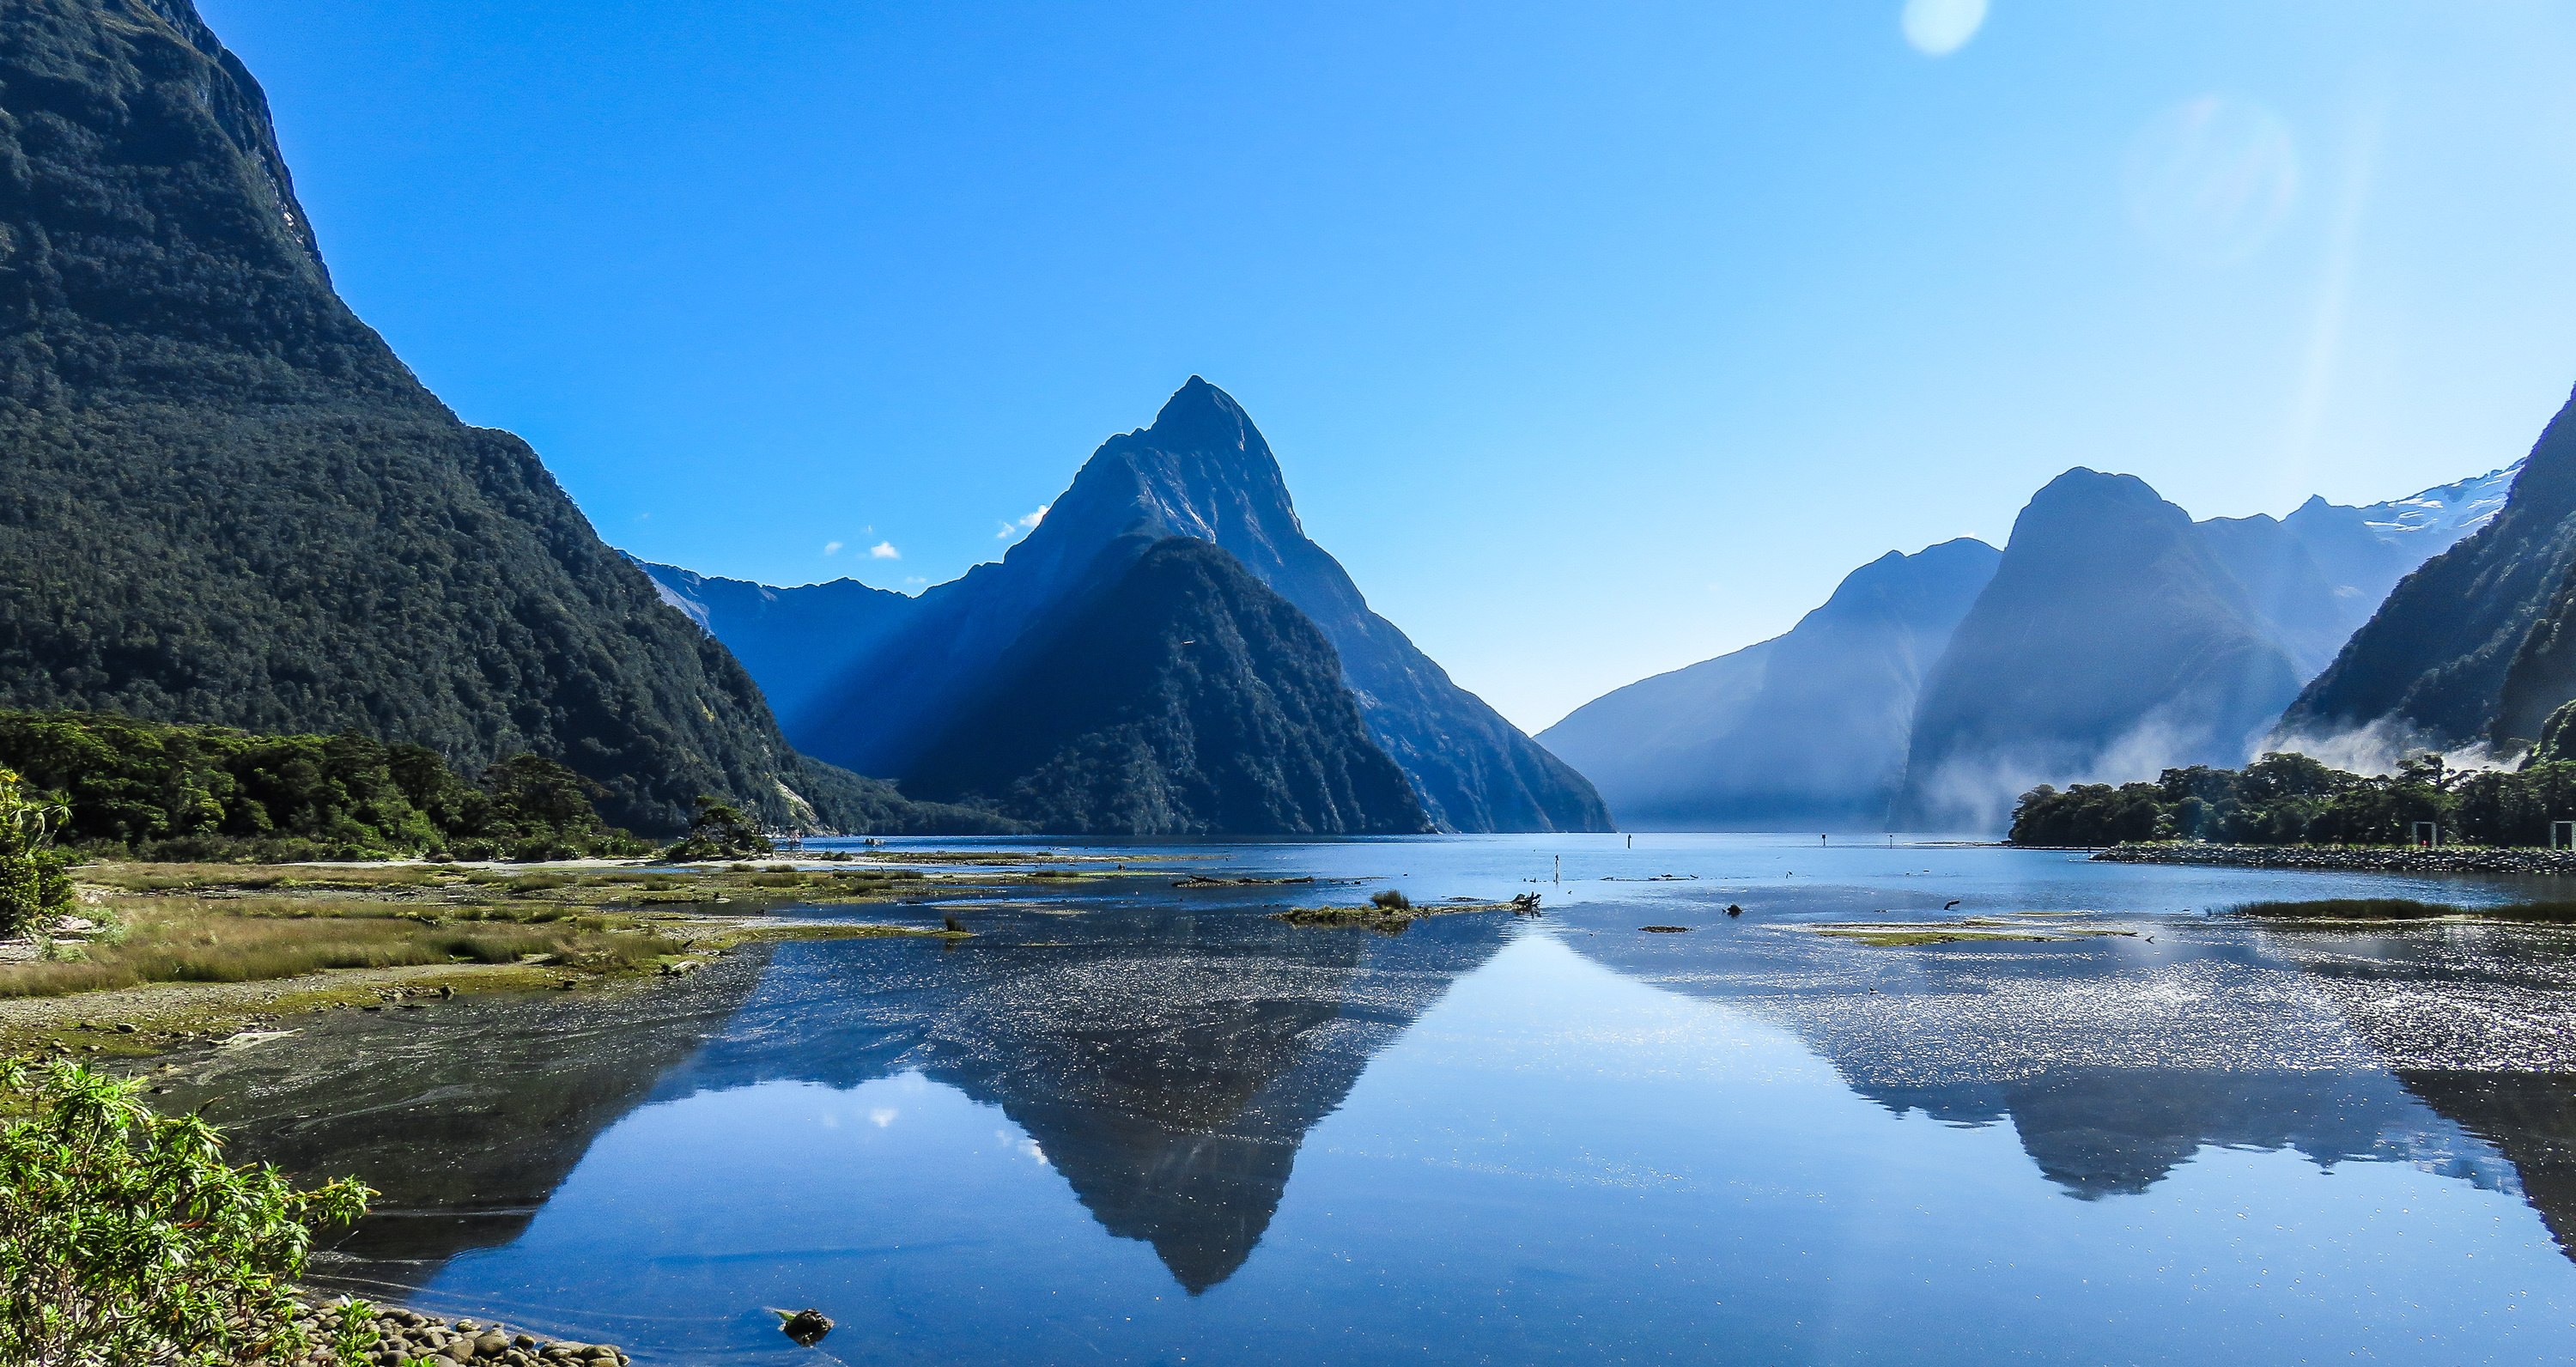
x: 2474, y: 645
x: 226, y: 501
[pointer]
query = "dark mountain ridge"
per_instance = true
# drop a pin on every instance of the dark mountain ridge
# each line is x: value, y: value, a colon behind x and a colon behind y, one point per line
x: 1178, y: 696
x: 1201, y: 471
x: 228, y: 502
x: 795, y: 642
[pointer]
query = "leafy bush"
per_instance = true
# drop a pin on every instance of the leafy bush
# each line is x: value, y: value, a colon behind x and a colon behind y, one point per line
x: 33, y: 887
x: 126, y: 1239
x: 720, y: 831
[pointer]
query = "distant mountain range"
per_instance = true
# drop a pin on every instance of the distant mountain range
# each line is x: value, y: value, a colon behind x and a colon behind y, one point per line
x: 228, y: 502
x: 2111, y: 637
x: 1807, y: 729
x: 907, y: 687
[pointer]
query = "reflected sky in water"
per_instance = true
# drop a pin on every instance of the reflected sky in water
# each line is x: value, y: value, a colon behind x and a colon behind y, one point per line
x: 1142, y: 1125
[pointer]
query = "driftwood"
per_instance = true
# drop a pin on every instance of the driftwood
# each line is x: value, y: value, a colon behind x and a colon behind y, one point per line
x: 1201, y: 880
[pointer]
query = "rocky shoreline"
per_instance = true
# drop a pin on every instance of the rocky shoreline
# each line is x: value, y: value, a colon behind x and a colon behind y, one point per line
x: 2354, y: 859
x: 409, y: 1336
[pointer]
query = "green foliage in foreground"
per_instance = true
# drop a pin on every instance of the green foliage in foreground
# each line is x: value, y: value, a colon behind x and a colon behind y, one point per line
x: 207, y: 793
x: 126, y: 1239
x: 33, y: 886
x: 2292, y: 799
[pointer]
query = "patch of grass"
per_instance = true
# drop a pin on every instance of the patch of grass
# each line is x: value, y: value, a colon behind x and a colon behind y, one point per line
x: 189, y: 940
x: 1898, y: 939
x: 2403, y: 909
x: 175, y: 877
x: 1905, y: 934
x: 539, y: 882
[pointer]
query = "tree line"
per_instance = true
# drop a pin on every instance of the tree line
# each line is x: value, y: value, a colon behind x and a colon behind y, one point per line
x: 2290, y: 799
x: 168, y: 792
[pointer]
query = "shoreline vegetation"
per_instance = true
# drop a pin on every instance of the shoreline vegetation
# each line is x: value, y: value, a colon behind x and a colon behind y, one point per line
x: 129, y: 1239
x: 169, y: 793
x: 2330, y: 818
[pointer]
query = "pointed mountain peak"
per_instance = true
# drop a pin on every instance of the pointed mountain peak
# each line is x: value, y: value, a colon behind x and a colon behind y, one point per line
x: 1201, y: 417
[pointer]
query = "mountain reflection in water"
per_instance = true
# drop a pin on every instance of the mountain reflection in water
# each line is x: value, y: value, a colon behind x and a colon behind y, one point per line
x: 2117, y: 1060
x: 1169, y: 1071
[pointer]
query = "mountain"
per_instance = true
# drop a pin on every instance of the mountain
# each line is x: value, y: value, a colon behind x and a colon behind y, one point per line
x: 796, y: 642
x: 2473, y: 646
x: 1807, y: 729
x: 2317, y: 575
x: 2111, y: 640
x: 228, y: 502
x: 1179, y: 697
x: 1201, y: 471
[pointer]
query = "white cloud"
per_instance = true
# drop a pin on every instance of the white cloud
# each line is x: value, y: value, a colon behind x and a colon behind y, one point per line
x: 884, y: 550
x: 831, y: 548
x: 1937, y: 28
x: 1018, y: 526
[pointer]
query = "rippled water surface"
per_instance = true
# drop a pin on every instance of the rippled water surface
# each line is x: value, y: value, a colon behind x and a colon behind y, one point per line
x: 1129, y: 1123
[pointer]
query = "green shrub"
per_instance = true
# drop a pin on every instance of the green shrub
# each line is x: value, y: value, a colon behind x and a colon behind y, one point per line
x: 33, y: 886
x: 125, y: 1238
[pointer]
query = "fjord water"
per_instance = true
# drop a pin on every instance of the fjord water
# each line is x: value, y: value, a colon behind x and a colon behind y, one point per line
x: 1130, y: 1123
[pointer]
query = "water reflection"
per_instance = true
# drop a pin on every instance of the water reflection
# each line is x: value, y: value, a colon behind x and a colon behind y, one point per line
x: 1167, y: 1064
x: 2118, y: 1060
x: 466, y: 1116
x: 938, y: 1142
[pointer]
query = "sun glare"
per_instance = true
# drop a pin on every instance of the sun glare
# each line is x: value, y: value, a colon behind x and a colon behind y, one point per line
x: 1937, y: 28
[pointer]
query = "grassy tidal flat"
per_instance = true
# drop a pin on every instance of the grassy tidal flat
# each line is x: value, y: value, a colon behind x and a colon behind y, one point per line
x: 163, y: 955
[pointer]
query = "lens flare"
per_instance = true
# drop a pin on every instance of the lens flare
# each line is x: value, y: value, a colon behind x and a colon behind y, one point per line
x: 1937, y: 28
x: 2210, y: 179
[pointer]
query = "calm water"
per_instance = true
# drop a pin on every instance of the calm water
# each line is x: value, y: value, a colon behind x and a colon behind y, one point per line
x: 1133, y: 1124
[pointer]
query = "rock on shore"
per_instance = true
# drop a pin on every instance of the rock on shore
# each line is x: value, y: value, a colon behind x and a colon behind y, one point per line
x: 2356, y: 859
x: 407, y: 1335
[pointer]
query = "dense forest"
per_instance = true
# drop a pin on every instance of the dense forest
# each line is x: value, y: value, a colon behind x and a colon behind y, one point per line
x: 2292, y: 799
x: 201, y: 793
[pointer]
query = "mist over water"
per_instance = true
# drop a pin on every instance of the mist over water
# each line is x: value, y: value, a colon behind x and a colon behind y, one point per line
x: 1132, y: 1123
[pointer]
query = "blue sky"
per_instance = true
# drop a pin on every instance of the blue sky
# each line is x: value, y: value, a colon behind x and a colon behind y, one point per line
x: 1595, y: 340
